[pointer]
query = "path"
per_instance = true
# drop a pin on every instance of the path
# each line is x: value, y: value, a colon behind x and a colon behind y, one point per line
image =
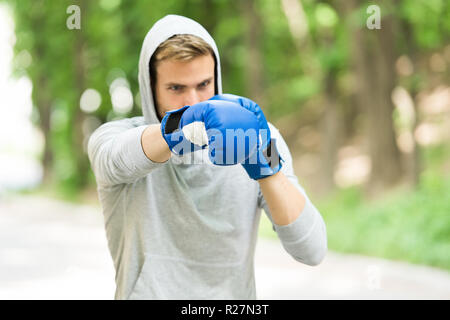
x: 54, y: 250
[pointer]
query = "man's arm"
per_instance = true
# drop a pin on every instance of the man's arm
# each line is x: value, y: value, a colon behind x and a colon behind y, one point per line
x: 297, y: 222
x: 154, y: 145
x: 284, y: 200
x: 116, y: 151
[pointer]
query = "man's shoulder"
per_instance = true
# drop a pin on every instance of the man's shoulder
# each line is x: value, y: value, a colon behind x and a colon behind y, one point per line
x: 127, y: 123
x: 113, y: 127
x: 134, y: 121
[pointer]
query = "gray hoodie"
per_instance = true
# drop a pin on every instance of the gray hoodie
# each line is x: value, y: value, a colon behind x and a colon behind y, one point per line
x: 186, y: 231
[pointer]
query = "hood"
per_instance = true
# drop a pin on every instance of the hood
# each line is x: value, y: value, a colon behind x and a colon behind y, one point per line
x: 162, y: 30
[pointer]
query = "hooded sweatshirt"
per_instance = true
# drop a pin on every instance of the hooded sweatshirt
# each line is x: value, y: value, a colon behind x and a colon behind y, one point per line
x: 186, y: 231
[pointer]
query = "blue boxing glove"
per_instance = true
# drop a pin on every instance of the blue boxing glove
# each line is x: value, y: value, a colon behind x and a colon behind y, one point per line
x: 266, y: 161
x: 228, y: 130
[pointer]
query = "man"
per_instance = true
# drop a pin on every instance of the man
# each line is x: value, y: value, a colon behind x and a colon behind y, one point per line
x: 180, y: 226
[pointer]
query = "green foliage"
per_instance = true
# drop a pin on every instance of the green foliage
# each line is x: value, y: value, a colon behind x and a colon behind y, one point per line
x: 430, y: 20
x: 303, y: 88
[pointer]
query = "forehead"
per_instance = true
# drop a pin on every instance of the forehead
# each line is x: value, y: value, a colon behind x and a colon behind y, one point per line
x: 185, y: 72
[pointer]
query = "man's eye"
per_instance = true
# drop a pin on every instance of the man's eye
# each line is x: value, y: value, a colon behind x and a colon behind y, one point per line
x: 204, y: 84
x: 174, y: 88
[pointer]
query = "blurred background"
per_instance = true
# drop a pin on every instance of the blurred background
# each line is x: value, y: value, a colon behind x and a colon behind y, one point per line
x: 365, y: 112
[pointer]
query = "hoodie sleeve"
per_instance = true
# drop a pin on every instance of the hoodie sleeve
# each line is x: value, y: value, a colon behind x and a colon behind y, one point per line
x: 305, y: 239
x: 116, y: 154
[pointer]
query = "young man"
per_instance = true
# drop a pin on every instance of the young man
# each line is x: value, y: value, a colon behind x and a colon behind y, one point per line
x: 180, y: 229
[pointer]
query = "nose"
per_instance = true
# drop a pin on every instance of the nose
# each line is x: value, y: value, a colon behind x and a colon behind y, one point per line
x: 191, y: 97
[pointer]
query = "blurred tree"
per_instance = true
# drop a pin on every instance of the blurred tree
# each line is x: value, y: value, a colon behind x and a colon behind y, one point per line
x: 422, y: 35
x: 306, y: 62
x: 327, y: 34
x: 254, y: 73
x: 78, y: 117
x: 373, y: 53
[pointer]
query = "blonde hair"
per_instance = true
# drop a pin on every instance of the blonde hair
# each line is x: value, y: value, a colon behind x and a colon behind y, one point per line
x: 181, y: 47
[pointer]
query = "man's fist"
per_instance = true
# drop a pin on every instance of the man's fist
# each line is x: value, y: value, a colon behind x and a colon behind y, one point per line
x: 266, y: 161
x: 230, y: 131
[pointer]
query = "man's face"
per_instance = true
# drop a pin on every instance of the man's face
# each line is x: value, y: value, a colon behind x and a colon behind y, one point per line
x: 180, y: 83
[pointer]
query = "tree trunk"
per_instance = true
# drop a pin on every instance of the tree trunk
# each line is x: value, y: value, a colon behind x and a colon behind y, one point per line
x: 43, y: 103
x: 330, y: 122
x: 414, y: 160
x: 253, y: 73
x: 78, y: 117
x: 330, y: 132
x: 372, y: 53
x: 42, y: 97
